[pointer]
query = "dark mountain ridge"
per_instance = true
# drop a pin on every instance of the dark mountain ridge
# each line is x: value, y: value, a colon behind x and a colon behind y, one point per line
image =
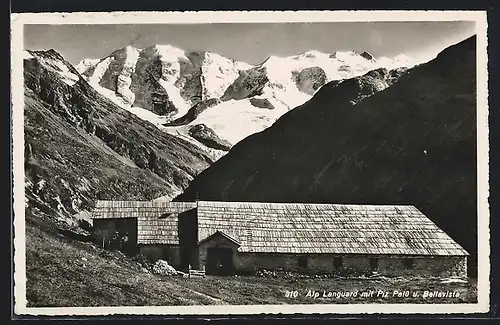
x: 411, y: 143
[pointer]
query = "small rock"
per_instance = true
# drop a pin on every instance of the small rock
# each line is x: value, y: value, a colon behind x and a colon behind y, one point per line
x: 310, y: 80
x: 261, y: 103
x: 367, y: 56
x: 208, y: 137
x: 162, y: 267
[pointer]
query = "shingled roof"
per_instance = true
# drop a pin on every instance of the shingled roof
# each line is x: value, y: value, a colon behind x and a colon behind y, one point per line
x: 292, y: 227
x: 137, y: 209
x: 326, y: 228
x: 156, y: 221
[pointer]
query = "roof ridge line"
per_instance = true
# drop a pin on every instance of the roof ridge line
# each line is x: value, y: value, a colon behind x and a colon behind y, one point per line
x: 308, y: 203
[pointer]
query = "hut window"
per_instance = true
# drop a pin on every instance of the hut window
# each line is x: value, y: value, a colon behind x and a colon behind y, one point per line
x: 374, y: 263
x: 337, y: 262
x: 408, y: 263
x: 303, y: 261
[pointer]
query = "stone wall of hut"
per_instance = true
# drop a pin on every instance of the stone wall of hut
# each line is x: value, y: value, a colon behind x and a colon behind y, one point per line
x: 351, y: 264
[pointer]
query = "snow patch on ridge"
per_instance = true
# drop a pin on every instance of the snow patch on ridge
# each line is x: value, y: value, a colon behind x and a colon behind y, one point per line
x: 399, y: 61
x: 123, y: 96
x: 85, y: 64
x: 146, y: 115
x: 170, y: 53
x: 125, y: 77
x: 61, y: 69
x: 170, y: 58
x: 175, y: 97
x: 234, y: 120
x: 158, y: 121
x: 27, y: 55
x: 99, y: 71
x: 219, y: 73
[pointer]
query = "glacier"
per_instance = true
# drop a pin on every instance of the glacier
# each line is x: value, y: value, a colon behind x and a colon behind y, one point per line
x: 161, y: 83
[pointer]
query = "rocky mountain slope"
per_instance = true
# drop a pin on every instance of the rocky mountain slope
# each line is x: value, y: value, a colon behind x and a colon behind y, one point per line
x: 80, y: 146
x: 411, y: 143
x: 171, y: 87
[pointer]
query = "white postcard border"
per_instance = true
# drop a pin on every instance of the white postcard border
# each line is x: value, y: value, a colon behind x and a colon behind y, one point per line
x: 17, y: 99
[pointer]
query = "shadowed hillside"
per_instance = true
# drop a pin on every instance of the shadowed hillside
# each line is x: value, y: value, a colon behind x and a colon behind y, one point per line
x: 412, y: 143
x: 80, y: 147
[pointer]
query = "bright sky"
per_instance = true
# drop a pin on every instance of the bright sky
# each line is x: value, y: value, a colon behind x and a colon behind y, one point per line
x: 252, y: 42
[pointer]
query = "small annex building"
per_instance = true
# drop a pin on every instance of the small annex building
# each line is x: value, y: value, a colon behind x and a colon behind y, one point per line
x: 152, y: 228
x: 238, y: 237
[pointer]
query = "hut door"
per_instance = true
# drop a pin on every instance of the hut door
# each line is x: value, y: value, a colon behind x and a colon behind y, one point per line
x: 374, y: 264
x: 219, y: 261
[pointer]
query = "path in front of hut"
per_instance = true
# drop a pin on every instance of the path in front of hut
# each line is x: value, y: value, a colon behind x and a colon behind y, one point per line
x: 182, y: 287
x: 217, y: 300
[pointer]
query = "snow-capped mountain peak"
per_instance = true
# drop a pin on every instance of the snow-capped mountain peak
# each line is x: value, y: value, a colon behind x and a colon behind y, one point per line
x: 162, y: 78
x: 164, y: 52
x: 163, y: 84
x: 311, y: 55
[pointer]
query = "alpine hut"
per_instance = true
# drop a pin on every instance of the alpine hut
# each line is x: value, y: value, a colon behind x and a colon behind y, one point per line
x: 237, y: 237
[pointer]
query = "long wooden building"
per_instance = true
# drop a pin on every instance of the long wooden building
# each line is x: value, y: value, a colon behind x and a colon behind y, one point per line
x: 235, y: 237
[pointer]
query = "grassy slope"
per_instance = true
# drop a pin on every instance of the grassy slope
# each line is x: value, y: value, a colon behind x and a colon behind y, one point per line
x: 63, y: 272
x: 413, y: 143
